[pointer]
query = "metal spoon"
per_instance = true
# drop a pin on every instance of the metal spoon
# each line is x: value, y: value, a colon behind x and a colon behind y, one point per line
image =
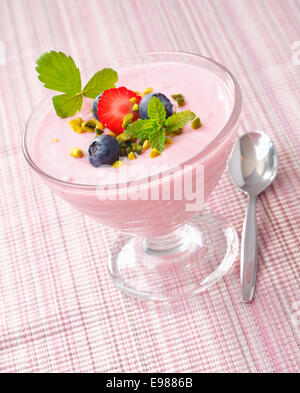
x: 253, y: 165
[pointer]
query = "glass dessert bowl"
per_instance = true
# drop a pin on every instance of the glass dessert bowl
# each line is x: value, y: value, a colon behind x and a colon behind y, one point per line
x: 174, y: 248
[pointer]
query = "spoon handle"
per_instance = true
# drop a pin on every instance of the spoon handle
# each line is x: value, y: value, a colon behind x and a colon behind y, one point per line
x: 249, y: 251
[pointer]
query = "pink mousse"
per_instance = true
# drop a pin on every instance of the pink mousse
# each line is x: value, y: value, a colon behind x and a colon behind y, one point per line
x: 205, y: 94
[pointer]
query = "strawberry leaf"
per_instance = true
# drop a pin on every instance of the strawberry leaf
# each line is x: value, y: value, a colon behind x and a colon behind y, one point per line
x: 102, y: 80
x: 59, y: 72
x: 67, y: 104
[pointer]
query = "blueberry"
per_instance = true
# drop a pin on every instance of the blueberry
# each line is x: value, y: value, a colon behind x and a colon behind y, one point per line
x: 95, y: 106
x: 104, y: 150
x: 143, y: 106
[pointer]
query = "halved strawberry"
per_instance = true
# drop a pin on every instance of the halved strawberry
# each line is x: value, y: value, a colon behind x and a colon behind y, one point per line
x: 113, y: 105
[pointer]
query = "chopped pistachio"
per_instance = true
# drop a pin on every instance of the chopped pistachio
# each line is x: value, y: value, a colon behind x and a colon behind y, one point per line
x: 79, y: 130
x: 76, y: 124
x: 54, y: 140
x: 117, y: 164
x: 123, y: 137
x: 135, y: 107
x: 75, y: 152
x: 131, y: 156
x: 99, y: 125
x: 98, y: 131
x: 169, y: 141
x: 134, y: 146
x: 146, y: 145
x: 138, y: 149
x: 123, y: 152
x: 177, y: 96
x: 196, y: 123
x: 128, y: 150
x: 127, y: 120
x: 133, y: 100
x: 89, y: 125
x: 179, y: 99
x: 154, y: 153
x: 175, y: 132
x: 147, y: 90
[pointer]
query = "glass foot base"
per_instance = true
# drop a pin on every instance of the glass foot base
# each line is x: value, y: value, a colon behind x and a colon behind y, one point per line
x: 205, y: 249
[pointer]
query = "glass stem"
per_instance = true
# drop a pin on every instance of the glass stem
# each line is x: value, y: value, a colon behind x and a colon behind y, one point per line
x: 164, y: 244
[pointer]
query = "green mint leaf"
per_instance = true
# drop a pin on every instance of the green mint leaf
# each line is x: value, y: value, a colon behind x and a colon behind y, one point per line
x: 102, y: 80
x: 178, y: 120
x: 156, y: 110
x: 67, y: 104
x: 141, y: 128
x: 157, y: 139
x: 59, y: 72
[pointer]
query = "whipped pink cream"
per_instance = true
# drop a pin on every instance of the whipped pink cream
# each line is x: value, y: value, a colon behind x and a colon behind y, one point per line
x: 205, y: 94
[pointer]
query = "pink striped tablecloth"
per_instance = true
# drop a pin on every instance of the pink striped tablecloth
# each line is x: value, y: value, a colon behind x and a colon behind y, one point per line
x: 59, y: 311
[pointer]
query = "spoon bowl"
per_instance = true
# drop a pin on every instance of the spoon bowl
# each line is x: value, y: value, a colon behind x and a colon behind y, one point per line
x: 253, y: 166
x: 253, y: 163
